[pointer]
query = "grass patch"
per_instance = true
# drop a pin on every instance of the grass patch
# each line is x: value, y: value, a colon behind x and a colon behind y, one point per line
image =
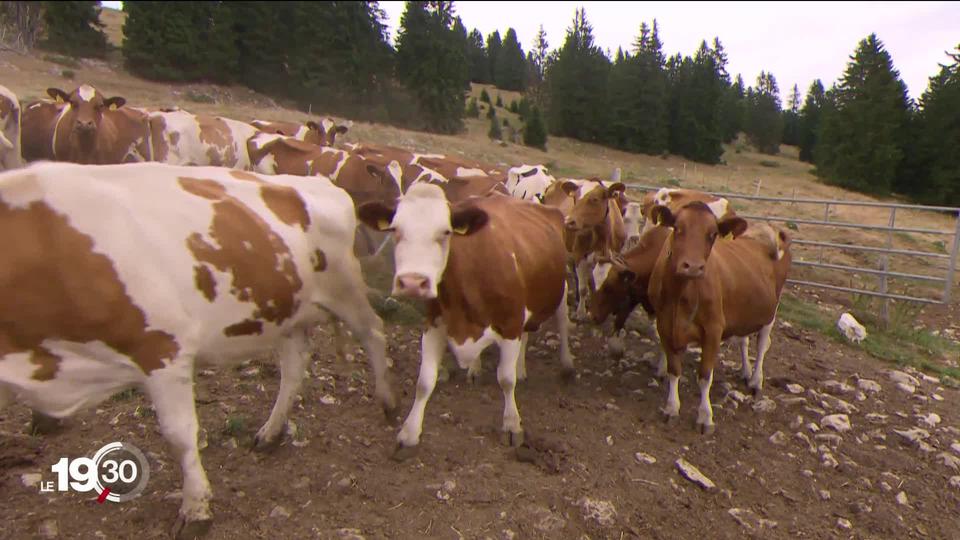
x: 899, y: 343
x: 62, y: 60
x: 198, y: 97
x: 68, y: 74
x: 235, y: 425
x: 675, y: 182
x: 771, y: 164
x: 125, y: 395
x: 398, y: 311
x: 940, y: 246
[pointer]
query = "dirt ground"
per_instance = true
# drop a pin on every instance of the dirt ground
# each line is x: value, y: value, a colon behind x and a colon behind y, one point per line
x: 577, y: 476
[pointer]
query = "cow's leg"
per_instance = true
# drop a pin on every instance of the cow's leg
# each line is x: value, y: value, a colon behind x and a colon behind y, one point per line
x: 708, y: 359
x: 745, y: 358
x: 42, y: 424
x: 562, y: 318
x: 507, y: 377
x: 522, y: 359
x: 662, y: 364
x: 763, y: 344
x: 674, y: 360
x: 171, y: 391
x: 432, y: 345
x: 474, y: 370
x: 293, y: 361
x: 583, y: 287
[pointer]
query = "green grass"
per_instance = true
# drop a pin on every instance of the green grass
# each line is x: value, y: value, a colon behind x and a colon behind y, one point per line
x: 198, y: 97
x: 235, y: 426
x: 898, y: 344
x: 62, y: 60
x: 125, y: 395
x: 771, y: 164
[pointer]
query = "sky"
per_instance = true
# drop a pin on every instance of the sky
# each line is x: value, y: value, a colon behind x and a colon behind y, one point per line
x: 797, y: 41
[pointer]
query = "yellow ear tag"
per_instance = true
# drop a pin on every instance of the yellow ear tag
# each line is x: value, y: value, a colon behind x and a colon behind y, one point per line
x: 59, y: 99
x: 113, y: 106
x: 383, y: 224
x: 728, y: 236
x: 462, y: 230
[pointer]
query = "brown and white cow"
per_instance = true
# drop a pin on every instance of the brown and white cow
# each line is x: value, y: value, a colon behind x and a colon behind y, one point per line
x: 9, y: 130
x: 183, y: 138
x: 594, y: 229
x: 96, y: 130
x: 705, y: 288
x: 529, y: 182
x: 677, y: 198
x: 323, y: 133
x: 632, y: 219
x: 227, y: 264
x: 38, y: 122
x: 491, y: 269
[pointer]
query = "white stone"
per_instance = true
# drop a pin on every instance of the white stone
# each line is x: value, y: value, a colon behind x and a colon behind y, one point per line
x: 765, y: 405
x: 955, y: 482
x: 929, y: 420
x: 794, y: 389
x: 901, y: 377
x: 837, y: 422
x: 869, y: 386
x: 812, y: 427
x: 693, y: 474
x: 902, y: 499
x: 824, y: 495
x: 949, y: 460
x: 329, y: 400
x: 778, y: 438
x: 642, y: 457
x: 828, y: 460
x: 749, y: 520
x: 851, y: 329
x: 603, y: 512
x: 279, y: 512
x: 955, y: 447
x: 844, y: 524
x: 877, y: 418
x: 886, y: 487
x: 30, y: 479
x: 837, y: 387
x: 914, y: 435
x: 736, y: 396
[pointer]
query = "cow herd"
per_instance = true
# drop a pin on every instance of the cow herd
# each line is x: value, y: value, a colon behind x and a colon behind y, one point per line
x: 143, y: 243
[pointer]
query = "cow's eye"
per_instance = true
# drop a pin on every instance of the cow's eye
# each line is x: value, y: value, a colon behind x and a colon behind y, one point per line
x: 712, y: 236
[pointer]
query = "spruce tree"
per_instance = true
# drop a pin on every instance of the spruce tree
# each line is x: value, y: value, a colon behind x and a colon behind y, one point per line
x: 473, y: 109
x: 494, y: 44
x: 535, y: 131
x: 732, y: 110
x: 477, y: 58
x: 696, y: 88
x: 510, y: 66
x: 791, y: 119
x: 810, y: 120
x: 494, y: 132
x: 431, y: 64
x: 163, y: 40
x: 499, y: 101
x: 764, y: 120
x: 538, y: 65
x: 484, y: 96
x: 861, y: 142
x: 74, y: 28
x: 938, y: 130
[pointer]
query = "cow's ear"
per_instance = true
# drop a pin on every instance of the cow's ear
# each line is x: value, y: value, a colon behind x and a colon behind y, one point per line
x: 314, y: 126
x: 468, y: 220
x: 734, y: 225
x: 340, y: 129
x: 59, y: 95
x: 616, y: 188
x: 661, y: 215
x: 376, y: 215
x: 114, y: 103
x: 569, y: 187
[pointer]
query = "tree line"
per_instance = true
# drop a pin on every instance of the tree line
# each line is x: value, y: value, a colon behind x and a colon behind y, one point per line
x: 863, y: 132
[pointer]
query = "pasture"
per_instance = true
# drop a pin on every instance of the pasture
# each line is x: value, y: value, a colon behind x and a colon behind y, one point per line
x: 598, y: 461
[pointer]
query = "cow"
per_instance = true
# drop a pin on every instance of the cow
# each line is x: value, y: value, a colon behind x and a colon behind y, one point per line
x: 490, y: 269
x: 38, y: 121
x: 92, y: 129
x: 171, y: 267
x: 529, y: 182
x: 705, y: 288
x: 632, y: 219
x: 183, y: 138
x: 676, y: 198
x: 9, y: 130
x: 594, y: 229
x: 323, y: 133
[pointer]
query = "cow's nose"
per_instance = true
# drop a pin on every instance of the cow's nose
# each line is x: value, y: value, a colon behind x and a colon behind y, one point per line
x: 571, y: 223
x: 691, y: 270
x: 86, y: 127
x: 633, y: 240
x: 412, y: 285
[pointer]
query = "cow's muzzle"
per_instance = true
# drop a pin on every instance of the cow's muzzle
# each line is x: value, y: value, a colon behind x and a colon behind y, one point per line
x: 412, y: 285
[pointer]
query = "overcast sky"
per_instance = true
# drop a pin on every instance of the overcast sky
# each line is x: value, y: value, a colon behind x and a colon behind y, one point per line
x: 798, y: 42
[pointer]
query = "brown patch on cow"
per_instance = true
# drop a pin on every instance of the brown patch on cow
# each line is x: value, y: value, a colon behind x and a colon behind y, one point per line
x: 161, y: 147
x: 205, y: 281
x: 216, y: 133
x: 244, y: 175
x: 286, y: 204
x: 245, y: 328
x: 56, y: 286
x: 244, y: 246
x: 319, y: 260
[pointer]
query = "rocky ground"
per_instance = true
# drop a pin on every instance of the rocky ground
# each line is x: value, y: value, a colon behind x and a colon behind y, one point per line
x: 839, y: 445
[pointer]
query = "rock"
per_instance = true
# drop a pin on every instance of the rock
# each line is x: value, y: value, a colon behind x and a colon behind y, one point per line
x: 49, y: 529
x: 449, y: 486
x: 792, y: 400
x: 902, y: 499
x: 749, y: 520
x: 329, y: 400
x: 885, y: 487
x: 547, y: 522
x: 866, y: 483
x: 736, y: 396
x: 861, y: 396
x: 807, y: 473
x: 899, y: 377
x: 829, y: 438
x: 837, y: 422
x: 837, y: 387
x: 928, y: 379
x: 844, y: 524
x: 824, y: 495
x: 350, y: 534
x: 30, y: 479
x: 906, y: 387
x: 869, y: 386
x: 827, y: 460
x: 603, y: 512
x: 937, y: 397
x: 860, y: 508
x: 644, y: 458
x: 279, y: 512
x: 834, y: 403
x: 609, y: 440
x: 929, y: 420
x: 955, y: 447
x: 877, y: 418
x: 812, y: 427
x: 778, y: 438
x: 693, y: 474
x: 949, y: 460
x: 914, y: 435
x: 851, y: 329
x: 794, y: 389
x: 955, y: 482
x: 797, y: 422
x: 765, y: 405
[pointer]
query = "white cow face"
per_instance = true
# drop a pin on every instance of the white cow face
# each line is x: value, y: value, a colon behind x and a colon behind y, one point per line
x: 632, y: 217
x: 423, y: 225
x: 528, y: 183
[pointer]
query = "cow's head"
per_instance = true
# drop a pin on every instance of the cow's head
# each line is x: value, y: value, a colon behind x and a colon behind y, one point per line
x: 324, y: 133
x: 370, y: 180
x: 592, y: 209
x: 632, y: 216
x: 612, y: 280
x: 86, y: 108
x: 695, y: 230
x: 423, y: 223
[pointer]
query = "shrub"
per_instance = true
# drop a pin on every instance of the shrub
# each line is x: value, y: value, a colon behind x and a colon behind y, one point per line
x: 535, y: 133
x: 495, y: 133
x: 484, y: 96
x: 473, y: 109
x: 499, y: 101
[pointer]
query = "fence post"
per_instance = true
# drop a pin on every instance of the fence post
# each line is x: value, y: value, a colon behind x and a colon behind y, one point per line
x: 885, y: 266
x: 952, y: 266
x: 826, y: 217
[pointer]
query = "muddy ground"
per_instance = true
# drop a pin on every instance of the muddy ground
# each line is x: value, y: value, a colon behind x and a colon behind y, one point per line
x: 777, y: 473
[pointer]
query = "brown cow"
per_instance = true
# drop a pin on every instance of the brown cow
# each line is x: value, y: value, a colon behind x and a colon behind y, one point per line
x: 37, y: 125
x: 323, y: 133
x: 704, y: 290
x: 677, y: 198
x: 94, y: 130
x: 483, y: 283
x: 9, y: 130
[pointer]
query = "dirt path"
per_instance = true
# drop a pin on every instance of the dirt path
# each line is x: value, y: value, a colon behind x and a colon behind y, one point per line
x: 581, y: 479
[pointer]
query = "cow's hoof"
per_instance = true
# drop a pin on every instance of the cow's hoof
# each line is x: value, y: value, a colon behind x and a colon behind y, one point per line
x: 513, y: 439
x: 568, y: 375
x: 264, y: 445
x: 402, y: 453
x: 756, y: 391
x: 473, y: 378
x: 390, y: 414
x: 184, y: 530
x: 671, y: 420
x: 707, y: 429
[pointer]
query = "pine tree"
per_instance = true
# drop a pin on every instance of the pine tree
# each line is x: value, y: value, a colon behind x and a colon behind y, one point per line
x: 74, y: 28
x: 810, y: 120
x: 647, y: 112
x: 495, y: 132
x: 473, y: 109
x: 791, y: 119
x: 764, y: 121
x: 484, y: 96
x: 514, y: 108
x: 937, y: 132
x: 510, y: 73
x: 535, y: 132
x: 491, y: 111
x: 477, y: 58
x: 163, y: 40
x: 431, y: 64
x: 499, y: 101
x: 494, y: 44
x: 696, y: 88
x: 538, y: 65
x: 732, y: 110
x: 861, y: 142
x: 264, y: 52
